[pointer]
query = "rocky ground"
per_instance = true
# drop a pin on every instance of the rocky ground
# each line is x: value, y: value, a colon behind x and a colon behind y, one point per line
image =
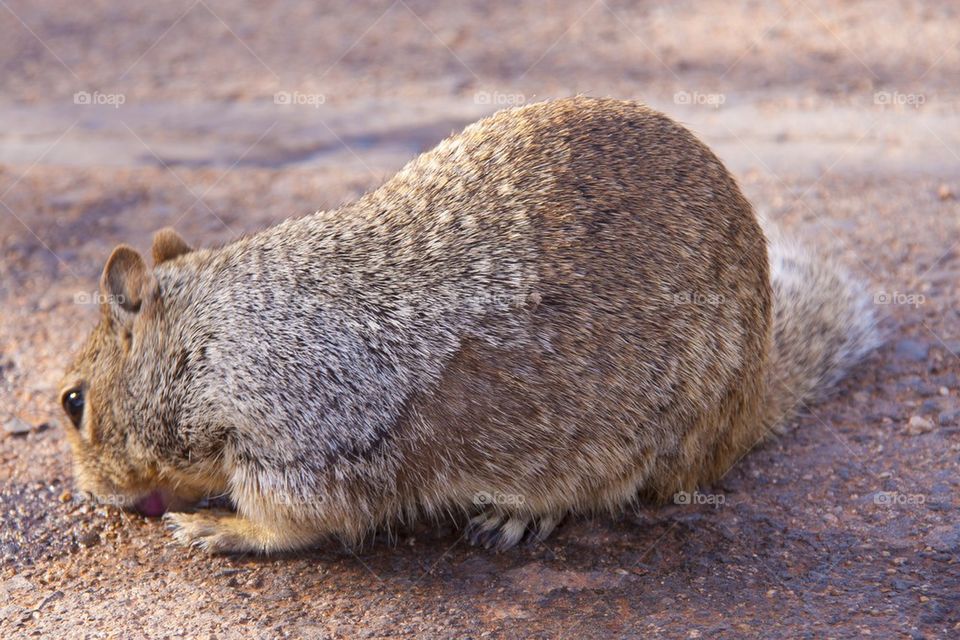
x: 839, y: 119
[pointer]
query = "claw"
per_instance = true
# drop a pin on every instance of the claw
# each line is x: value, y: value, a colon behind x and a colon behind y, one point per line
x: 490, y: 530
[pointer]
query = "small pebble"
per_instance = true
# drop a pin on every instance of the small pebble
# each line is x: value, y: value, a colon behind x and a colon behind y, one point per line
x: 919, y: 425
x: 16, y: 427
x: 90, y: 539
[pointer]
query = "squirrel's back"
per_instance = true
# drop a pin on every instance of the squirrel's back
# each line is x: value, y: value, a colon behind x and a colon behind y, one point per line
x: 643, y: 355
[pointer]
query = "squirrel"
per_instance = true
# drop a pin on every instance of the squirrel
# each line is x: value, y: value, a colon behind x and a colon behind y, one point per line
x: 568, y: 307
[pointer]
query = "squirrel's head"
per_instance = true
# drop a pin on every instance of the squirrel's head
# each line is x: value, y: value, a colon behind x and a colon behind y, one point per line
x: 120, y: 391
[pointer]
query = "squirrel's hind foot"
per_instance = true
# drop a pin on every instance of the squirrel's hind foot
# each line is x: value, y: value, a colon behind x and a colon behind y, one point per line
x: 495, y: 530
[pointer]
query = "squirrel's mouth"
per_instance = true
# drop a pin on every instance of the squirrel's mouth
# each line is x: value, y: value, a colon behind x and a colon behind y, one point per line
x: 152, y: 505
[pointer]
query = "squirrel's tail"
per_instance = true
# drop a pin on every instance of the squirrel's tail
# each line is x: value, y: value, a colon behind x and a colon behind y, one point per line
x: 823, y: 323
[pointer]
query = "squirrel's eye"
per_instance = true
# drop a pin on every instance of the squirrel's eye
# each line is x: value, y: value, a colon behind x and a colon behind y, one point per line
x: 73, y: 405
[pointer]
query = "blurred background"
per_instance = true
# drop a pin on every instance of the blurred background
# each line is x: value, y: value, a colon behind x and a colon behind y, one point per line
x: 221, y: 117
x: 839, y: 119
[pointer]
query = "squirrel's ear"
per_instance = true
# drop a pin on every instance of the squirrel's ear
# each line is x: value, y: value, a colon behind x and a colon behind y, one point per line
x: 126, y: 283
x: 167, y: 245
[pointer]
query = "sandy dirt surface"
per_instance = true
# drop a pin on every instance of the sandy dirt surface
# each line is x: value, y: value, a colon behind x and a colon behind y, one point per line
x: 839, y: 119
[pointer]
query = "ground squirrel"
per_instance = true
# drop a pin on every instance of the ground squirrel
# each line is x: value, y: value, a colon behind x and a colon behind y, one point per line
x: 567, y: 307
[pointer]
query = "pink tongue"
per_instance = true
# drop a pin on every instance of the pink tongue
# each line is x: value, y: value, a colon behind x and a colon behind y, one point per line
x: 152, y: 506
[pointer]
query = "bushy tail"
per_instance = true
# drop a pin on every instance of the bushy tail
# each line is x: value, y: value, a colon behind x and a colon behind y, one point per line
x: 824, y: 323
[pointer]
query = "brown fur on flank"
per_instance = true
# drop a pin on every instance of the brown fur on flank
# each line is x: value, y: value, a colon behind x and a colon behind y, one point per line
x: 564, y: 307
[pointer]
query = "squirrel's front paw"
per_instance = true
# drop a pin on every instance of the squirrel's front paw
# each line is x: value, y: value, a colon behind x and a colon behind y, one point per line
x: 212, y: 531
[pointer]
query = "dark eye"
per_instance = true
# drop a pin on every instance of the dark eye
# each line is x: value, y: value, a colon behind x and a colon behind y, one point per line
x: 73, y: 405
